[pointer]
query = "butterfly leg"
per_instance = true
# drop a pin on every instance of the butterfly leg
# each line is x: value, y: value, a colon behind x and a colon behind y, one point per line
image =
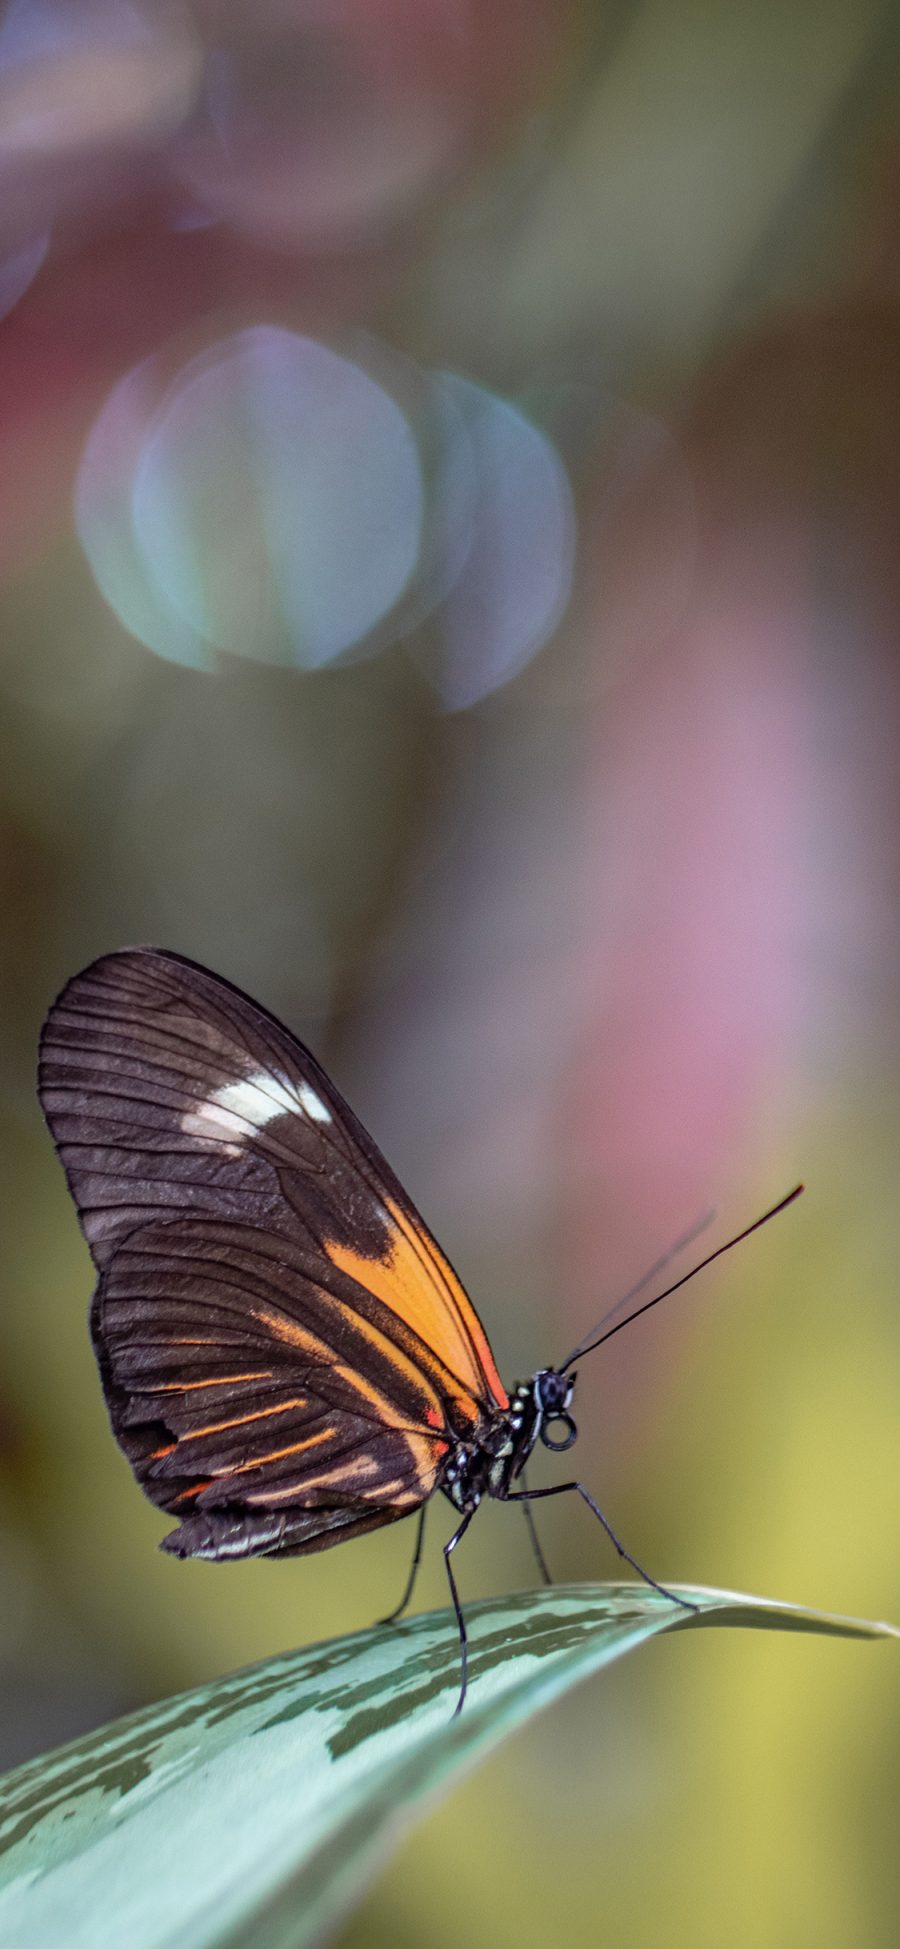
x: 414, y: 1571
x: 564, y: 1488
x: 534, y: 1538
x: 457, y: 1537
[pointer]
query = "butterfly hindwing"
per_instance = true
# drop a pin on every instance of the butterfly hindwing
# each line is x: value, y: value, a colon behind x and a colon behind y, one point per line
x: 284, y: 1349
x: 235, y: 1392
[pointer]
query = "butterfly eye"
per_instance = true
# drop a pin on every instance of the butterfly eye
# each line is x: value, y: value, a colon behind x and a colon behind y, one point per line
x: 559, y: 1421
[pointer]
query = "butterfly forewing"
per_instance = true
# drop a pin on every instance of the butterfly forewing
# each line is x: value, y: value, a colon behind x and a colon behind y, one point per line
x: 284, y: 1349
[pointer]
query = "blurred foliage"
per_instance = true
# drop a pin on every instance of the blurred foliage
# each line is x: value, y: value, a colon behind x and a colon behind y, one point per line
x: 570, y: 843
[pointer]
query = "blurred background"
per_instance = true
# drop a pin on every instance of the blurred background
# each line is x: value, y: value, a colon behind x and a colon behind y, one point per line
x: 450, y: 584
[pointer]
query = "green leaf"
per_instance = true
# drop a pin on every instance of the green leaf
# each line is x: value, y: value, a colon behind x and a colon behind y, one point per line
x: 249, y: 1814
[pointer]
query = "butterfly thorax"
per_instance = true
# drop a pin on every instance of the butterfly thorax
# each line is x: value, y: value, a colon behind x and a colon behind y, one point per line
x: 537, y: 1409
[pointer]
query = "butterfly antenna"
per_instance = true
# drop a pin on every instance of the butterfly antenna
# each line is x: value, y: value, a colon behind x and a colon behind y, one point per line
x: 588, y: 1347
x: 659, y: 1265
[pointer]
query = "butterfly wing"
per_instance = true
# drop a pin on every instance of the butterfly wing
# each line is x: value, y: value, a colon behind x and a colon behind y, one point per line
x: 285, y: 1352
x: 248, y: 1405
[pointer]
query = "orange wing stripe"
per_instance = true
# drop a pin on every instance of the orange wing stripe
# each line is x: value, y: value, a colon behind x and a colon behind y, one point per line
x: 275, y: 1454
x: 416, y: 1284
x: 240, y: 1420
x: 343, y: 1478
x: 297, y: 1336
x: 197, y: 1489
x: 190, y: 1387
x: 471, y: 1325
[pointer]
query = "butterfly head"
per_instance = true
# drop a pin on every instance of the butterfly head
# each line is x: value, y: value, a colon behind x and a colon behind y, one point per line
x: 539, y: 1411
x: 552, y: 1394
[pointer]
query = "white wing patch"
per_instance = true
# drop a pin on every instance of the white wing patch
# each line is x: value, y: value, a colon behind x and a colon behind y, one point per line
x: 313, y: 1104
x: 232, y: 1114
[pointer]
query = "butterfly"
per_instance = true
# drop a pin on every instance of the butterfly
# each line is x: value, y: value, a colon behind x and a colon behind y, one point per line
x: 287, y: 1356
